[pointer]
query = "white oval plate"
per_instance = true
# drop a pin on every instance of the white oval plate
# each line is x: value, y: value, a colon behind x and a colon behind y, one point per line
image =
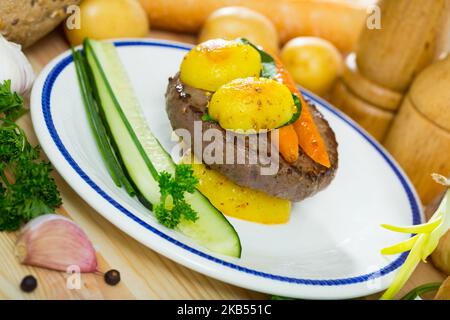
x: 330, y: 249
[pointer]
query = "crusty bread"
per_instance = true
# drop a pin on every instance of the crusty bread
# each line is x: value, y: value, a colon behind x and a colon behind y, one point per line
x: 26, y: 21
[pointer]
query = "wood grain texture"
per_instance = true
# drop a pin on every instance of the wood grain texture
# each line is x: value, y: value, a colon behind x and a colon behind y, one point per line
x: 413, y: 34
x: 370, y: 91
x: 421, y: 148
x: 430, y: 93
x: 407, y: 42
x: 419, y: 138
x: 145, y: 274
x: 375, y: 120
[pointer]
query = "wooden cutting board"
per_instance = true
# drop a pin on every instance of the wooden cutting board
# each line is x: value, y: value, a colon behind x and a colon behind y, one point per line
x: 145, y: 274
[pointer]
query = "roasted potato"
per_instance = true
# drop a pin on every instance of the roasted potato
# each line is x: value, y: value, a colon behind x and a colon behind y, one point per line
x: 252, y: 104
x: 236, y: 22
x: 106, y: 19
x: 314, y: 63
x: 444, y: 291
x: 213, y: 63
x: 239, y: 202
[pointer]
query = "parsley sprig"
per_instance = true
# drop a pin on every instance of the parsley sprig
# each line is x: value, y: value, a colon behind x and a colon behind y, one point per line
x: 26, y: 188
x: 173, y: 205
x: 11, y: 104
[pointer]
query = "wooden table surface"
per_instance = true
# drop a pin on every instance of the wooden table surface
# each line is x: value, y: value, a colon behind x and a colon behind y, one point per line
x: 145, y: 274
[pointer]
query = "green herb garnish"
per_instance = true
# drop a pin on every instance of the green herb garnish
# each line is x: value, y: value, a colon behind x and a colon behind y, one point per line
x: 26, y: 188
x: 269, y: 67
x: 206, y: 117
x: 99, y: 130
x: 296, y: 115
x: 173, y: 205
x: 416, y: 292
x: 11, y: 104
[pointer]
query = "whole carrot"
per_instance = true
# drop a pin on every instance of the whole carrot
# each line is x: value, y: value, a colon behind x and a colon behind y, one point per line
x: 288, y: 143
x: 308, y: 134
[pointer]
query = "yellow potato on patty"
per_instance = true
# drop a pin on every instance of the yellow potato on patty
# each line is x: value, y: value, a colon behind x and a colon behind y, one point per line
x: 213, y: 63
x: 237, y: 201
x: 252, y: 104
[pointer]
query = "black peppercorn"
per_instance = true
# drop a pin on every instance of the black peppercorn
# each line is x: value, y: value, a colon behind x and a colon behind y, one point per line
x: 112, y: 277
x: 28, y: 284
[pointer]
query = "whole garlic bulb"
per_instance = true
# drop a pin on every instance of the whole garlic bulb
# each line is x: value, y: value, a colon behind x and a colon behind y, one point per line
x: 15, y: 66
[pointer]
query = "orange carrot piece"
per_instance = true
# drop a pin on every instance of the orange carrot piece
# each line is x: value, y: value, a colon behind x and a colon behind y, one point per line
x: 288, y: 143
x: 308, y: 134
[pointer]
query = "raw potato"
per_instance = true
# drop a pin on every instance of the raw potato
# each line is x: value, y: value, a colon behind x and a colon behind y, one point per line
x: 216, y: 62
x: 26, y: 21
x: 252, y: 104
x: 444, y: 291
x: 235, y: 22
x: 441, y: 255
x: 106, y: 19
x: 337, y: 21
x: 314, y: 63
x: 240, y: 202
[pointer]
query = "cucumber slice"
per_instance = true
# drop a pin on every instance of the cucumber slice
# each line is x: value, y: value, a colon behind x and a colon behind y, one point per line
x: 142, y: 155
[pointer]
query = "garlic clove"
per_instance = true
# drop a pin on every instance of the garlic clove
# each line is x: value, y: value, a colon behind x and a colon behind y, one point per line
x: 15, y: 67
x: 54, y: 242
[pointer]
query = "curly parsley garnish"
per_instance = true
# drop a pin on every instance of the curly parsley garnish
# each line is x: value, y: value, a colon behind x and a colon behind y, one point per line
x: 26, y: 188
x: 11, y: 104
x: 173, y: 205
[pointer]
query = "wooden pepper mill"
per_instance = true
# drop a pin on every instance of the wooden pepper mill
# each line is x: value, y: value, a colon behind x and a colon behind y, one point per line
x: 419, y: 138
x: 413, y: 34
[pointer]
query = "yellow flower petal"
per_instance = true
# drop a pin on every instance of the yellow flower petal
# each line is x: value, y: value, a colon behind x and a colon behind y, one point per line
x: 424, y: 244
x: 407, y: 269
x: 401, y: 246
x: 419, y: 228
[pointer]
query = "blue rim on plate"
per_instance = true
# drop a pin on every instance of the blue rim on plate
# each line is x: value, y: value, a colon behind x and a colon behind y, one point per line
x: 415, y: 211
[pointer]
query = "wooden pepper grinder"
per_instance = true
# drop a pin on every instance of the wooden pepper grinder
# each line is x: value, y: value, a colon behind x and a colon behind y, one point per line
x: 412, y: 35
x: 419, y: 138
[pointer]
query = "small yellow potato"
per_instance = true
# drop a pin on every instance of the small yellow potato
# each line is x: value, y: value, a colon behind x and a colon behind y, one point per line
x: 444, y: 290
x: 252, y: 103
x: 314, y: 63
x: 106, y: 19
x: 213, y: 63
x: 239, y: 202
x: 441, y: 255
x: 240, y: 22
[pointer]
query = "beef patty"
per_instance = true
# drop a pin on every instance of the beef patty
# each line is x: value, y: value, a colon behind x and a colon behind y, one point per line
x: 293, y: 181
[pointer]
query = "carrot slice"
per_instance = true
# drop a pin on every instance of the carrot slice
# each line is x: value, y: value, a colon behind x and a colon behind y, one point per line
x: 288, y: 143
x: 308, y: 134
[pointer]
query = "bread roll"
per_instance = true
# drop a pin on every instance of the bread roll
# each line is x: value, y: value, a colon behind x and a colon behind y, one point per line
x: 26, y: 21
